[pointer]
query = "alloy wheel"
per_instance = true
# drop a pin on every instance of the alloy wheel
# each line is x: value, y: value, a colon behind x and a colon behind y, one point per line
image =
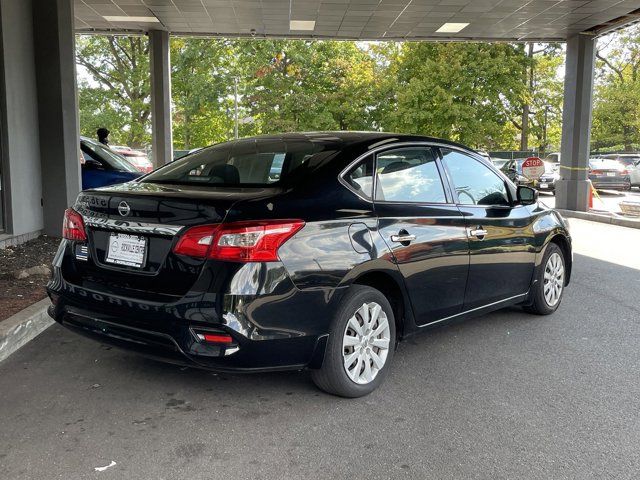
x: 553, y: 279
x: 365, y: 343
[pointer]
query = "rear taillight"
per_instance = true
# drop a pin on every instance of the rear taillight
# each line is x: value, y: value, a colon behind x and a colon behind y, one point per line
x: 624, y: 172
x: 196, y: 241
x: 73, y: 226
x: 254, y: 241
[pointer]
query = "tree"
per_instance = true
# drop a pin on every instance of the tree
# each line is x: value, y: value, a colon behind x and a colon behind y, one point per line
x: 306, y: 85
x: 118, y: 95
x: 616, y: 115
x: 201, y: 76
x: 544, y: 95
x: 468, y: 92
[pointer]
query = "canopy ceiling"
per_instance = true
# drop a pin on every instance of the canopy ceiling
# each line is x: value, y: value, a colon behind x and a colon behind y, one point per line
x: 360, y: 19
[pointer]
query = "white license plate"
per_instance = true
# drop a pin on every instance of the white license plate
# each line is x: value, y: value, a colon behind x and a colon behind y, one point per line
x: 611, y: 174
x: 544, y: 185
x: 127, y: 250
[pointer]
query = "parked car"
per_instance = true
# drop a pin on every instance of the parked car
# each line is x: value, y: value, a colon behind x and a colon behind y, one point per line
x: 608, y: 174
x: 499, y: 162
x: 513, y: 170
x: 547, y: 182
x: 364, y: 239
x: 634, y: 174
x: 101, y: 166
x: 177, y: 154
x: 627, y: 159
x: 484, y: 154
x: 138, y: 159
x: 632, y: 162
x: 553, y: 158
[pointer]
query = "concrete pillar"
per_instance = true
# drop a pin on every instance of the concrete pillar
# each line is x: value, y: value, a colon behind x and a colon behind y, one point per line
x: 54, y: 42
x: 572, y: 189
x: 161, y: 97
x: 20, y: 168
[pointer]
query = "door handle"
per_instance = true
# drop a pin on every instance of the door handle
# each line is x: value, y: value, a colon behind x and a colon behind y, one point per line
x: 478, y: 232
x: 405, y: 237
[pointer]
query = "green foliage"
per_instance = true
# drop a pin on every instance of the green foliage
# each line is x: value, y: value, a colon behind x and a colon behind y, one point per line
x: 545, y: 97
x: 616, y: 114
x: 118, y: 95
x: 304, y: 85
x: 470, y: 92
x: 201, y: 74
x: 467, y: 92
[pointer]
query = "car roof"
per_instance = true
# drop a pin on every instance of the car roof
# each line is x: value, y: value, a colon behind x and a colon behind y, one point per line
x: 343, y: 139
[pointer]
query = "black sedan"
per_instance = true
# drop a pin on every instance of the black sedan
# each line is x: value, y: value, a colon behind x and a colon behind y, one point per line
x: 547, y: 182
x: 608, y: 174
x: 359, y: 241
x: 513, y: 171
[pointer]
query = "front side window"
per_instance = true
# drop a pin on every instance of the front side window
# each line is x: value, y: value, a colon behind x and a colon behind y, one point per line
x: 409, y: 175
x: 475, y: 183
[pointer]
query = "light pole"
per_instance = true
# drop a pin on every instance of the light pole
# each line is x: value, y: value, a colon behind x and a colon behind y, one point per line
x: 235, y: 103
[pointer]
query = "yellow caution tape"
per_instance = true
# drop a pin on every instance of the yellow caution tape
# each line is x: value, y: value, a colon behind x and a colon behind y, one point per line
x: 595, y: 193
x: 574, y: 168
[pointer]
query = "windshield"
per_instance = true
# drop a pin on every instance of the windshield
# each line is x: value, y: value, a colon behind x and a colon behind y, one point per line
x: 251, y: 162
x: 106, y: 155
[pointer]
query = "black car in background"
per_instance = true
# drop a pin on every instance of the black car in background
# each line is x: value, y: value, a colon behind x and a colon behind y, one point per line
x: 629, y: 160
x: 513, y: 171
x: 359, y: 240
x: 606, y: 174
x: 547, y: 181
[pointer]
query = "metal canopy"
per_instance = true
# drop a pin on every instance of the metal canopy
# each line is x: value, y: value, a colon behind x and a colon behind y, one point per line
x: 361, y: 19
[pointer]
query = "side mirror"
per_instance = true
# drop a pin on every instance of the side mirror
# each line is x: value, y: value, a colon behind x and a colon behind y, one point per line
x: 90, y: 164
x: 527, y: 195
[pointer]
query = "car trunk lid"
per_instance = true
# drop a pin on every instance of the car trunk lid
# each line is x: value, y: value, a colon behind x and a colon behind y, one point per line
x: 152, y: 216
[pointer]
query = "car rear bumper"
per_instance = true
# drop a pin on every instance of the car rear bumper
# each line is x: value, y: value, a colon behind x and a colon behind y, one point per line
x: 178, y: 344
x: 281, y: 328
x: 610, y: 183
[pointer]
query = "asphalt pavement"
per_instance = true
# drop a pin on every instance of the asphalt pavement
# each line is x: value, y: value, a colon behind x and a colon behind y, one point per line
x: 507, y: 395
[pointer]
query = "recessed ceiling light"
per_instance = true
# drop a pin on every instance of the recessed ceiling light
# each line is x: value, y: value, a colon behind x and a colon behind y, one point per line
x: 302, y: 24
x: 451, y: 27
x: 124, y: 18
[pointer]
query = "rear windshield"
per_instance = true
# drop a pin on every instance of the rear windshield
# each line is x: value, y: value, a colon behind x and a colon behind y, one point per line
x: 251, y: 162
x: 606, y: 164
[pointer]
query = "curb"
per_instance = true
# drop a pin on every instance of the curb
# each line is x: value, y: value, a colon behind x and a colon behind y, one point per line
x: 23, y: 327
x: 600, y: 218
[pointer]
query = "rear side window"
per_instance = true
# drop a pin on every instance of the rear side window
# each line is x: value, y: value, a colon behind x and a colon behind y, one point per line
x: 244, y: 163
x: 475, y: 183
x: 409, y: 175
x: 360, y: 178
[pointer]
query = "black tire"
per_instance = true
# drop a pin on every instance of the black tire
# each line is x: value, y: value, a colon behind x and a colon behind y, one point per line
x: 539, y: 304
x: 332, y: 376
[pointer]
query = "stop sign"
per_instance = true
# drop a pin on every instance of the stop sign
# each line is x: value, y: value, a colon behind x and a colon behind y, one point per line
x: 533, y: 168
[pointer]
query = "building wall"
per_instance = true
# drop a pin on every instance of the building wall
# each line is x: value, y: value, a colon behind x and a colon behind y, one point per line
x: 21, y: 168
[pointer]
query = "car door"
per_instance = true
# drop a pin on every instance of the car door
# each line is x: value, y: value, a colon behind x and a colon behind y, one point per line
x: 423, y: 228
x: 501, y: 237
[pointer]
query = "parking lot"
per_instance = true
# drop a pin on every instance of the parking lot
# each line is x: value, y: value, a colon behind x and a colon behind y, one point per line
x: 507, y: 395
